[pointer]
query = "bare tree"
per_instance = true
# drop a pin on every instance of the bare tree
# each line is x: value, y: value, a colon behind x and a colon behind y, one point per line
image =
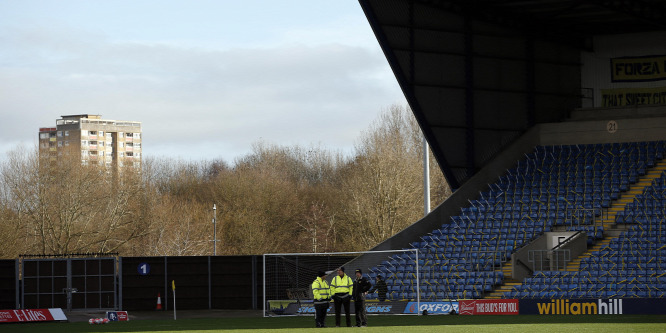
x: 275, y: 199
x: 66, y: 206
x: 384, y: 182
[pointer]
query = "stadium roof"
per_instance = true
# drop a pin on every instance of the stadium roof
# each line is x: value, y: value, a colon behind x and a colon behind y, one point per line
x: 479, y: 73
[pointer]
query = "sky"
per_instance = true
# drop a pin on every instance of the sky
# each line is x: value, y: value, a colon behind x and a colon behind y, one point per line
x: 207, y: 78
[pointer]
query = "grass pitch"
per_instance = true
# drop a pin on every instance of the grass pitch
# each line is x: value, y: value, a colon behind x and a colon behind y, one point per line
x: 383, y: 324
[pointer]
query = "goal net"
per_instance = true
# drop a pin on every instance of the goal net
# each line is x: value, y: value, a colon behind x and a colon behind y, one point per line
x: 288, y: 278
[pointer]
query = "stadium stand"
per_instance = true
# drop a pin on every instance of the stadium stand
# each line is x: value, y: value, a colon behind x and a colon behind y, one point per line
x: 452, y: 62
x: 612, y: 192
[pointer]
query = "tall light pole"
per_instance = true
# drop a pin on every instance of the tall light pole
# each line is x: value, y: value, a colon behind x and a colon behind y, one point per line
x: 214, y: 230
x: 426, y: 178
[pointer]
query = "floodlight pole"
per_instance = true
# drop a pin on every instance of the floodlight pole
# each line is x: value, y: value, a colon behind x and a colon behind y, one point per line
x: 214, y: 230
x: 426, y: 178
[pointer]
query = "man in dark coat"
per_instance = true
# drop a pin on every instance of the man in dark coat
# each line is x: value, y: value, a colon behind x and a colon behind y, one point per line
x: 381, y: 288
x: 361, y: 287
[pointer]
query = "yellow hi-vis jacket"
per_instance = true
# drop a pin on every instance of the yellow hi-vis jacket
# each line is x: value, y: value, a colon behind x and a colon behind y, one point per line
x: 320, y: 291
x: 342, y: 284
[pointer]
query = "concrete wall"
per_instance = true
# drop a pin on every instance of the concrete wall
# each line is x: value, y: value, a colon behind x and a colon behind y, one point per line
x: 521, y: 265
x: 613, y: 126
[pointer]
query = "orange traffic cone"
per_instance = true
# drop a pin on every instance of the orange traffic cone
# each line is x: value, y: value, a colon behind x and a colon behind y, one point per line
x: 159, y: 302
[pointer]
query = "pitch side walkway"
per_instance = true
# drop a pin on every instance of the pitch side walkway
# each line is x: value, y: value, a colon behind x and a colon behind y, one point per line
x: 79, y: 316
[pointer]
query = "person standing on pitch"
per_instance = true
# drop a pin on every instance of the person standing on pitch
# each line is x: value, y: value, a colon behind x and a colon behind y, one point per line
x: 322, y: 298
x: 381, y: 288
x: 341, y: 289
x: 361, y: 287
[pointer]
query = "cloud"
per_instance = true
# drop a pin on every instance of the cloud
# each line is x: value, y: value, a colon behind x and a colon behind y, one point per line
x: 194, y: 102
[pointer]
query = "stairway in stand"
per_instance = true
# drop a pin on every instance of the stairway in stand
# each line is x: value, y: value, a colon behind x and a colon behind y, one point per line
x: 618, y: 206
x: 608, y: 223
x: 508, y: 284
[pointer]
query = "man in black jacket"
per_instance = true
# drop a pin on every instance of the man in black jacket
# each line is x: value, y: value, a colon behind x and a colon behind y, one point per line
x: 381, y: 288
x: 361, y: 287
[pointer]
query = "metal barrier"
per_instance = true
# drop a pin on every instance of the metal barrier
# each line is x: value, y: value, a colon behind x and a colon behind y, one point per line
x: 549, y: 260
x: 69, y: 283
x: 485, y: 260
x: 585, y: 216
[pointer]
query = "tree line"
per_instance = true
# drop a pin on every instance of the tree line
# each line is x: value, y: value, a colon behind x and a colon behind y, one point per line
x: 274, y: 199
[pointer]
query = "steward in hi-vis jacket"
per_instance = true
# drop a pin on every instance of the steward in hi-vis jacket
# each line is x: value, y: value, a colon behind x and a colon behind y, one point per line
x: 341, y: 288
x: 322, y: 298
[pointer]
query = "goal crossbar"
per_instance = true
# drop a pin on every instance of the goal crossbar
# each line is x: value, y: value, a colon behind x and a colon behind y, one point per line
x: 287, y: 279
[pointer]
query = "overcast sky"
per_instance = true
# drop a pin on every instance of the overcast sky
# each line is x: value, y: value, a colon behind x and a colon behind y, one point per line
x: 207, y: 78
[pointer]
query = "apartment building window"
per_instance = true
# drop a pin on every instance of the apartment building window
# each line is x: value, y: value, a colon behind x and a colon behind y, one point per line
x: 66, y: 143
x: 43, y: 135
x: 66, y: 133
x: 93, y: 132
x: 60, y: 134
x: 101, y: 143
x: 129, y: 154
x: 59, y: 143
x: 137, y: 145
x: 120, y: 134
x: 101, y: 153
x: 137, y: 154
x: 101, y: 133
x: 121, y: 154
x: 84, y: 142
x: 84, y: 153
x: 84, y: 132
x: 121, y: 144
x: 137, y: 135
x: 130, y: 135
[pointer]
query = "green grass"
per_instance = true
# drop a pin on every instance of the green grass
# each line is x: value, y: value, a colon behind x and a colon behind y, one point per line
x: 384, y: 324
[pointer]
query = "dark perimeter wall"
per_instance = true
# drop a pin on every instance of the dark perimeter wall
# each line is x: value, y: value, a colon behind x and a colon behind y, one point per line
x: 225, y: 282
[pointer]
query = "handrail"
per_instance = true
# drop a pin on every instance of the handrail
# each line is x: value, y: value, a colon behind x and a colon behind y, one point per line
x: 578, y: 213
x: 521, y: 263
x: 555, y: 258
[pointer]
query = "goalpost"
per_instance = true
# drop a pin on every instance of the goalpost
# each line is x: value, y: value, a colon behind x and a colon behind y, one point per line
x: 287, y: 280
